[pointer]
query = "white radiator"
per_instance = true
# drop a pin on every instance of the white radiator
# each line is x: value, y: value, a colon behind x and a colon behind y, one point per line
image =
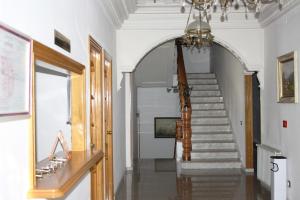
x: 264, y: 163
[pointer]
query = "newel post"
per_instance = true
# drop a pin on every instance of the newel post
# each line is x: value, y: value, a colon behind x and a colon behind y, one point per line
x: 186, y: 134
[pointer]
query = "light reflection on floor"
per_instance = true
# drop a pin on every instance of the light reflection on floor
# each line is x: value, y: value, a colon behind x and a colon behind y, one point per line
x: 158, y: 180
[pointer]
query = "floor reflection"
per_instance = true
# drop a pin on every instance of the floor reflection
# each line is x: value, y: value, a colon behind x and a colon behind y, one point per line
x: 159, y: 180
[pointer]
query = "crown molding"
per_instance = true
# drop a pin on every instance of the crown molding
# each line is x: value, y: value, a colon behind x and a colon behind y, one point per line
x: 271, y: 13
x: 117, y: 10
x: 177, y: 21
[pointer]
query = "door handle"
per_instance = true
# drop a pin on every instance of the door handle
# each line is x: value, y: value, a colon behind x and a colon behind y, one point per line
x: 109, y: 132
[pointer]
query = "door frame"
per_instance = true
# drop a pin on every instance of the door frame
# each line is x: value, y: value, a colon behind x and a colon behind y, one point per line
x: 96, y: 116
x: 108, y: 126
x: 249, y: 121
x: 102, y: 185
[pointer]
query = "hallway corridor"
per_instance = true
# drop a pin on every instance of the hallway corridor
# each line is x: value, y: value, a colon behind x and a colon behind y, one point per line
x: 157, y: 180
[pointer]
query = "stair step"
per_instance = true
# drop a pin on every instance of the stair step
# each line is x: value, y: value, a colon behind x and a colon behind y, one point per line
x: 211, y: 128
x: 206, y: 99
x: 209, y: 120
x: 213, y: 145
x: 208, y: 113
x: 205, y: 93
x: 212, y: 136
x: 201, y: 81
x: 213, y: 184
x: 205, y: 87
x: 207, y: 106
x: 214, y: 153
x: 200, y: 75
x: 211, y: 172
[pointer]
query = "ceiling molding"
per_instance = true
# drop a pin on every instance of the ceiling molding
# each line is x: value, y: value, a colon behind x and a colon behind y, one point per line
x: 271, y: 13
x: 117, y: 10
x: 178, y: 22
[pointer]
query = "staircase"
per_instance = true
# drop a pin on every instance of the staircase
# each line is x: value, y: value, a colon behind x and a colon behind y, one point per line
x: 213, y: 145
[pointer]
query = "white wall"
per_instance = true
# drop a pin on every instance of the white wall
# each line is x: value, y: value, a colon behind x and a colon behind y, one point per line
x: 38, y: 19
x: 197, y: 61
x: 281, y: 37
x: 230, y: 75
x: 157, y: 68
x: 51, y: 92
x: 155, y: 102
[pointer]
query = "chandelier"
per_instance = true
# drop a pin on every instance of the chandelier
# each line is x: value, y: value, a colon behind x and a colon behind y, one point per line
x: 225, y: 5
x: 198, y: 33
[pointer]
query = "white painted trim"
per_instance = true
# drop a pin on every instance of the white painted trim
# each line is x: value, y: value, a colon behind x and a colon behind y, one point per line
x: 107, y: 10
x: 249, y: 170
x: 116, y: 11
x: 272, y: 13
x: 128, y: 120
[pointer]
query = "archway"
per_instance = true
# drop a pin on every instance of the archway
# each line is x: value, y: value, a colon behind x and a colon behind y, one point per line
x: 159, y: 42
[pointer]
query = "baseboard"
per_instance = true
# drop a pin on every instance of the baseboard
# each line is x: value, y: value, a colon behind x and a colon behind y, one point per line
x: 128, y: 170
x: 120, y: 183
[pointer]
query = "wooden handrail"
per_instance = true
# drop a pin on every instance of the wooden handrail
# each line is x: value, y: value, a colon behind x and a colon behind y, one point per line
x: 185, y: 107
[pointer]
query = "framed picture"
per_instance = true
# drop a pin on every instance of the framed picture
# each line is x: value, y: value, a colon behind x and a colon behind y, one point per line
x: 287, y: 78
x: 15, y: 72
x: 165, y: 127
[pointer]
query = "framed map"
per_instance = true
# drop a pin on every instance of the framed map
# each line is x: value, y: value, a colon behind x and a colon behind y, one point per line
x: 15, y: 73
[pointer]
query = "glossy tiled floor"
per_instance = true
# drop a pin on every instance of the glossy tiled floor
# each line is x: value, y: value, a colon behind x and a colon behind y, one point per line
x: 158, y: 180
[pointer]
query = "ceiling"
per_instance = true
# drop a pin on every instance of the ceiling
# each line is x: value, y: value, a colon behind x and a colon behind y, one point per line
x: 124, y: 12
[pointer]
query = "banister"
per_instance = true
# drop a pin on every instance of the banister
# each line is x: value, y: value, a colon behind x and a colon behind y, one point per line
x: 185, y: 106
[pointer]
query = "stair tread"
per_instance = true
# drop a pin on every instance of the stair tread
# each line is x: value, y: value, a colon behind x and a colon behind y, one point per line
x: 194, y: 96
x: 209, y: 117
x: 212, y: 110
x: 221, y: 160
x: 214, y: 150
x: 210, y: 124
x: 210, y: 133
x: 213, y: 141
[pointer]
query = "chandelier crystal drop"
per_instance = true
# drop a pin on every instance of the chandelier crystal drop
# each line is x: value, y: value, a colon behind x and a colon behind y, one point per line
x: 198, y: 33
x: 225, y: 5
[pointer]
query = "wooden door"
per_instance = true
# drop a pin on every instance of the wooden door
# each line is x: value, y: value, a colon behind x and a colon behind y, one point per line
x: 249, y: 121
x: 108, y: 138
x: 96, y: 117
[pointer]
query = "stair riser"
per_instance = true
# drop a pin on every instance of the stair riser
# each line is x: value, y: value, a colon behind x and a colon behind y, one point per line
x: 227, y: 146
x: 208, y: 106
x: 216, y: 165
x: 201, y: 81
x: 205, y: 87
x: 206, y: 99
x: 211, y: 128
x: 206, y: 93
x: 213, y: 155
x: 211, y: 121
x: 211, y: 137
x: 199, y: 76
x: 208, y: 113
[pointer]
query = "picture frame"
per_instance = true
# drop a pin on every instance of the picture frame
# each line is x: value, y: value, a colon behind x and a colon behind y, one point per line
x: 15, y: 72
x: 165, y: 127
x: 287, y: 78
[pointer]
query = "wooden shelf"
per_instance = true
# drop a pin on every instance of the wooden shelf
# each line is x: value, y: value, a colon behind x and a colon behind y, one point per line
x: 62, y: 181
